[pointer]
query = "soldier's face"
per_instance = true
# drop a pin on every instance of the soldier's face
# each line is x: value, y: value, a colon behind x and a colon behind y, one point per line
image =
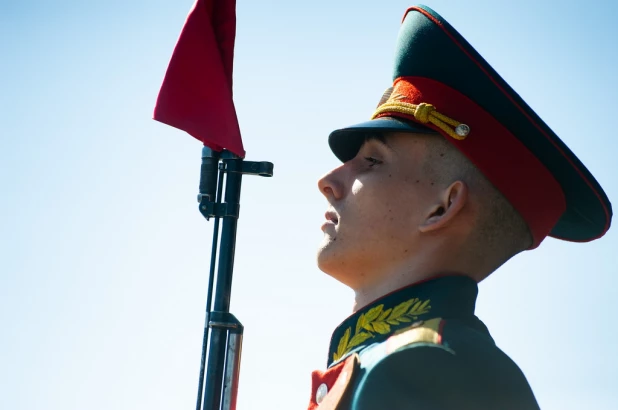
x: 376, y: 203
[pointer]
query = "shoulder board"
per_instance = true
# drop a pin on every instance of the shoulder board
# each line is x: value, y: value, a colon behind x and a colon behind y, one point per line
x: 429, y: 331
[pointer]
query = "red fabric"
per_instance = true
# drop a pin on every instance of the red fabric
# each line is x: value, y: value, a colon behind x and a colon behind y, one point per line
x: 501, y: 157
x: 196, y: 95
x: 608, y: 217
x: 337, y: 380
x: 441, y: 331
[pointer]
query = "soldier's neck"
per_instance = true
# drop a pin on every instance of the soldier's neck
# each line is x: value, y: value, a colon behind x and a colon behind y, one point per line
x: 433, y: 260
x: 366, y: 295
x: 400, y: 277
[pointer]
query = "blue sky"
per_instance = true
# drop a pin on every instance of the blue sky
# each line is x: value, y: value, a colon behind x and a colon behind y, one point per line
x: 105, y: 256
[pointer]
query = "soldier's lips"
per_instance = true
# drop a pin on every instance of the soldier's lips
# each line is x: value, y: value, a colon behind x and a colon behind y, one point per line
x: 331, y: 220
x: 327, y: 225
x: 331, y: 216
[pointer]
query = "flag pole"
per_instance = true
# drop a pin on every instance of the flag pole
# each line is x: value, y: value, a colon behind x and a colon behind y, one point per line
x: 208, y: 179
x: 196, y: 97
x: 222, y: 331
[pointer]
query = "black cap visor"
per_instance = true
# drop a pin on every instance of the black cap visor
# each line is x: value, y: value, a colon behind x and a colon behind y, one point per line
x: 346, y: 142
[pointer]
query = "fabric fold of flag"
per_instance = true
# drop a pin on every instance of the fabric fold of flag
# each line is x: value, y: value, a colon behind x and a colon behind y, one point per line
x: 196, y: 94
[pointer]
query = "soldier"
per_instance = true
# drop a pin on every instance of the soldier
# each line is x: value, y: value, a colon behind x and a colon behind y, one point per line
x: 454, y: 175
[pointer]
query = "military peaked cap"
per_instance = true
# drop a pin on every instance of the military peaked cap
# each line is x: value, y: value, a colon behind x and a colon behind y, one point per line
x: 441, y: 84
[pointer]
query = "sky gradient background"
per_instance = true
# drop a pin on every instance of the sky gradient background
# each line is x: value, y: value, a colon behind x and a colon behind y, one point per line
x: 105, y: 256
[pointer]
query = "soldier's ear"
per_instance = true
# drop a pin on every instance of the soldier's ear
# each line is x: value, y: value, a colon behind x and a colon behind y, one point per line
x: 448, y: 205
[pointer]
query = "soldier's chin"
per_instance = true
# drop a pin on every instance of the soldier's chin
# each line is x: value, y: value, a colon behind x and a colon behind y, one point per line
x: 331, y: 259
x: 333, y: 268
x: 327, y: 254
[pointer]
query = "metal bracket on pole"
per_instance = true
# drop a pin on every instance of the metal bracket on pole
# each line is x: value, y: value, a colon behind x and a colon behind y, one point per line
x: 224, y: 320
x: 212, y: 209
x: 263, y: 168
x: 227, y: 163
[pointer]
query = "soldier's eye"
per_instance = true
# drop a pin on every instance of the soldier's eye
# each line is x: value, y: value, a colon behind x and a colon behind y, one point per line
x: 372, y: 161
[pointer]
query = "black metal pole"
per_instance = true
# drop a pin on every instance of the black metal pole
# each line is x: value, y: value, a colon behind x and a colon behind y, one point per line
x: 222, y: 340
x: 218, y: 335
x: 211, y: 276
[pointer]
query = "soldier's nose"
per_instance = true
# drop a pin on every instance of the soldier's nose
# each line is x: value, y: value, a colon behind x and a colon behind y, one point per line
x: 330, y: 185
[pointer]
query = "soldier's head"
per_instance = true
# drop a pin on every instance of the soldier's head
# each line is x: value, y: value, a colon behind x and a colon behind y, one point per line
x: 454, y: 173
x: 413, y: 203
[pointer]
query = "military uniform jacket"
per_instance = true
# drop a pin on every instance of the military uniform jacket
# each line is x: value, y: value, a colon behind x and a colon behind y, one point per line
x: 422, y: 348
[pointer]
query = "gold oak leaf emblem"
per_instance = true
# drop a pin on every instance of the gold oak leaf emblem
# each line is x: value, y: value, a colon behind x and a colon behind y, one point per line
x: 378, y: 320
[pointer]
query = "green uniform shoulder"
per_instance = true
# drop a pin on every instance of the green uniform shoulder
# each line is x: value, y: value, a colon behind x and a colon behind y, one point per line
x: 439, y: 364
x: 419, y: 334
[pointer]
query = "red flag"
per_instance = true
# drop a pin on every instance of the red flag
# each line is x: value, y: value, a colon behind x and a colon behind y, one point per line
x: 196, y: 95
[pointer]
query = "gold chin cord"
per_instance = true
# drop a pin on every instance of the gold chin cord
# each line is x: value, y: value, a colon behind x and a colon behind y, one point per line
x: 425, y: 113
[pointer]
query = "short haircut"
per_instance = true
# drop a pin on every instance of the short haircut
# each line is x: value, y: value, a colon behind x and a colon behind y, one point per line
x: 500, y: 232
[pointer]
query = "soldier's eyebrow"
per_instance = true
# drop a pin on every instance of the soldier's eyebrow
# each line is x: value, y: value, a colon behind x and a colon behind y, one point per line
x: 380, y: 139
